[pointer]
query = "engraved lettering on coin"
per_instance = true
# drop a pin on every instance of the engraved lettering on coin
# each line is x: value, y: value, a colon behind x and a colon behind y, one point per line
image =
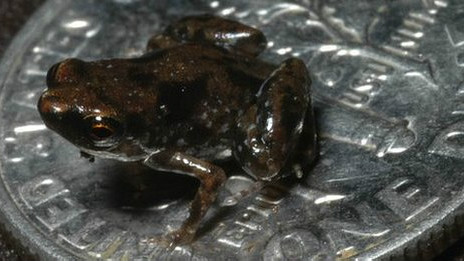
x: 58, y: 211
x: 87, y: 235
x: 387, y: 83
x: 407, y: 38
x: 406, y: 199
x: 298, y: 244
x: 370, y: 229
x: 42, y: 189
x: 450, y: 141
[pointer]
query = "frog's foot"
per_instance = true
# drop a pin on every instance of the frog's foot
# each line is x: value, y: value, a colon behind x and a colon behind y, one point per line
x: 209, y: 29
x: 179, y: 237
x: 211, y: 178
x: 157, y: 240
x: 172, y: 240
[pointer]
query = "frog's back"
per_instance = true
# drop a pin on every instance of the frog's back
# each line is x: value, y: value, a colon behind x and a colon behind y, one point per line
x: 200, y: 91
x: 212, y: 76
x: 188, y: 61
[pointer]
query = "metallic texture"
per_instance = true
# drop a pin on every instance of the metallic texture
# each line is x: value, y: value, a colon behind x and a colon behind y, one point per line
x: 387, y: 81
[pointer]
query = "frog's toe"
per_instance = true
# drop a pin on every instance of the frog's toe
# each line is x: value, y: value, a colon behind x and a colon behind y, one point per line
x: 171, y: 240
x: 179, y: 237
x: 152, y: 240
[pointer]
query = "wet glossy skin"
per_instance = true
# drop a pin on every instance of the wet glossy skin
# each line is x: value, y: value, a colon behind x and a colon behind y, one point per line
x: 199, y: 94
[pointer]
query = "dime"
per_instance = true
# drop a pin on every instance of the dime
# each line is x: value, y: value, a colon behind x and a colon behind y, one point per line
x: 388, y: 90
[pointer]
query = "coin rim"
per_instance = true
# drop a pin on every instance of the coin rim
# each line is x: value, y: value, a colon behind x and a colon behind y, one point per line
x: 14, y: 222
x: 426, y: 244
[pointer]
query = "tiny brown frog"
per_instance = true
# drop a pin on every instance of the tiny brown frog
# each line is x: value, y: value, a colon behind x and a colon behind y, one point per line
x: 198, y: 95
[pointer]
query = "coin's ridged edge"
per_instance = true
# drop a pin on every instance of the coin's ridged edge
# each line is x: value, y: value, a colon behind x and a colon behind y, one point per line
x: 434, y: 242
x: 13, y: 224
x: 438, y: 240
x: 14, y: 244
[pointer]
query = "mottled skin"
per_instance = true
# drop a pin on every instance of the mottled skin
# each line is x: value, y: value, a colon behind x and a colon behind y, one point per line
x: 199, y: 94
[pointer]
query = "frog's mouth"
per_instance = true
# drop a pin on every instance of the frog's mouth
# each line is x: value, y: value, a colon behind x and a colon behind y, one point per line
x: 120, y: 152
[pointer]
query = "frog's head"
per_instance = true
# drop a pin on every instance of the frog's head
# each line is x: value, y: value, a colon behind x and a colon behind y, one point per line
x: 74, y: 106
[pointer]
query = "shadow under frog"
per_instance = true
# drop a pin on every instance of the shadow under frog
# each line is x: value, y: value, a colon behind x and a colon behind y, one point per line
x: 200, y: 94
x: 136, y: 188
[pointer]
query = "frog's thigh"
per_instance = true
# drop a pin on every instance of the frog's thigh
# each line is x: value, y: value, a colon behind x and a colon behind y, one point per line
x: 211, y: 178
x: 218, y: 31
x: 269, y: 131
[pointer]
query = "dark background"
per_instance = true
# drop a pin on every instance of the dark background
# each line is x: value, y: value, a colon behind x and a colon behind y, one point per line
x: 13, y: 14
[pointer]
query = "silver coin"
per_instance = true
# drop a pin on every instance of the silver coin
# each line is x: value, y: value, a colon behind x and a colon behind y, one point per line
x: 387, y: 79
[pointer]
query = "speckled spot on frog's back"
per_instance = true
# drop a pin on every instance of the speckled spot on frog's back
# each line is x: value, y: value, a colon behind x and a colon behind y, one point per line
x: 180, y: 99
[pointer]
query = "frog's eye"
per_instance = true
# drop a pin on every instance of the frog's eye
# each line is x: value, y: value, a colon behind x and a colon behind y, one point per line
x: 104, y: 131
x: 100, y: 131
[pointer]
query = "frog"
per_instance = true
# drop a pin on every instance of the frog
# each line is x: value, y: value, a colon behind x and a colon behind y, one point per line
x: 198, y: 96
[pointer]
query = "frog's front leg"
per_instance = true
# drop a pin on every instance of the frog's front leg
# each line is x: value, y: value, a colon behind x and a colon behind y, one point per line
x: 269, y: 132
x: 209, y: 29
x: 211, y: 178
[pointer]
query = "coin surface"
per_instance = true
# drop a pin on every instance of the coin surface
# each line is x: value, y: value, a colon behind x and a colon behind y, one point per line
x: 387, y: 80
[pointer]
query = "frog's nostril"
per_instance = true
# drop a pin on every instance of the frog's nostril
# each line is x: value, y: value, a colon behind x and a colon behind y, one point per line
x: 49, y: 104
x: 51, y: 75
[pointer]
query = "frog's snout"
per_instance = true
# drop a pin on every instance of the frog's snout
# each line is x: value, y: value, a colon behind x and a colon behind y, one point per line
x: 50, y: 105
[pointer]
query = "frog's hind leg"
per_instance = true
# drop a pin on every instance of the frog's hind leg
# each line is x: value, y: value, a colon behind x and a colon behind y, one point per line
x: 209, y: 29
x: 211, y: 177
x: 269, y: 131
